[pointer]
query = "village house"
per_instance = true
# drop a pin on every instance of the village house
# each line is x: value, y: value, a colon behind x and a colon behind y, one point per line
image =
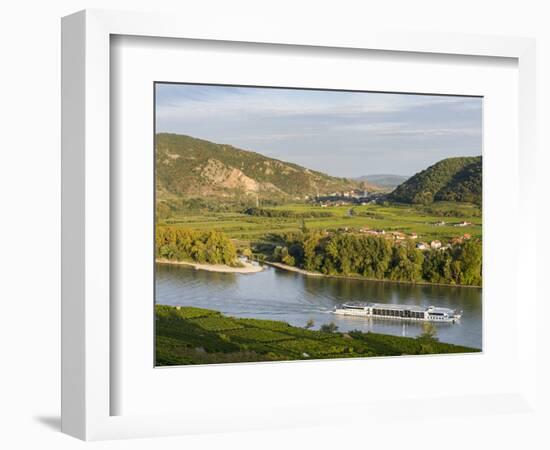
x: 435, y: 244
x: 422, y: 246
x: 397, y: 235
x: 367, y: 230
x: 461, y: 239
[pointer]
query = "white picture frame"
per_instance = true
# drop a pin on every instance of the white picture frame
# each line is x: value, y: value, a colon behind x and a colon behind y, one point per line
x: 87, y: 326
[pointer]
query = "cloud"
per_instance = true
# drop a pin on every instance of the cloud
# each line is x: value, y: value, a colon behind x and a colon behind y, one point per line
x: 198, y: 101
x: 331, y: 131
x: 407, y: 129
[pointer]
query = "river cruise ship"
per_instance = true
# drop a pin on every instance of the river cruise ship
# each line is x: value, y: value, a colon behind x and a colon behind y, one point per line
x: 402, y: 312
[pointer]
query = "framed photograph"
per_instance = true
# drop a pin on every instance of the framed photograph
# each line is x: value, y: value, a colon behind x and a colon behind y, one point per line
x: 254, y: 217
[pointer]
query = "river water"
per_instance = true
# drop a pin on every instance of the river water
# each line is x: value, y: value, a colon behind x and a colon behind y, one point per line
x: 294, y: 298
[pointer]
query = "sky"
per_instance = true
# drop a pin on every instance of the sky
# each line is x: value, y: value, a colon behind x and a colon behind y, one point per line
x: 345, y: 134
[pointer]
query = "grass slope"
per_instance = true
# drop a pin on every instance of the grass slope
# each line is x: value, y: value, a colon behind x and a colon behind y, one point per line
x: 189, y: 335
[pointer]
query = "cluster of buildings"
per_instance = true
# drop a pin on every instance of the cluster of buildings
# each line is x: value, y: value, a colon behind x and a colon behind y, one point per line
x: 395, y: 235
x: 437, y: 245
x: 354, y: 193
x: 353, y: 197
x: 461, y: 239
x: 442, y: 223
x: 433, y: 245
x: 398, y: 236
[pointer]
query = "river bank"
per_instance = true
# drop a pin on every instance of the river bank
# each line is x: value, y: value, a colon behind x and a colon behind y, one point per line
x: 221, y: 268
x: 360, y: 277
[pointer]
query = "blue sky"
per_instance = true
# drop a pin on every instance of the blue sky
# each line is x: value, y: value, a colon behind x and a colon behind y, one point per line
x: 340, y: 133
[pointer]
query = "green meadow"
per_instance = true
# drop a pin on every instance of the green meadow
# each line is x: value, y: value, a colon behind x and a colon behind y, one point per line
x: 426, y: 221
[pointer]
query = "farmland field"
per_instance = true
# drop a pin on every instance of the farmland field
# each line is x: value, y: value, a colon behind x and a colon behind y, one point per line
x: 427, y: 222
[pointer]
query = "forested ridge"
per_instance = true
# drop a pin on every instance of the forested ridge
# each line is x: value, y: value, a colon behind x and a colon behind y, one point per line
x: 452, y: 179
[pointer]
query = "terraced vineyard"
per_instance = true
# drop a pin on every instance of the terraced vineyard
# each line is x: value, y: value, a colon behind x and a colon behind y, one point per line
x: 189, y: 335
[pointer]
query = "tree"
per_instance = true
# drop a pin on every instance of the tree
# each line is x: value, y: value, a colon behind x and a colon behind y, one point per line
x: 428, y: 339
x: 329, y: 328
x: 470, y: 262
x: 312, y: 256
x: 286, y: 258
x: 406, y: 263
x: 181, y: 244
x: 163, y: 211
x: 309, y: 324
x: 436, y: 267
x: 429, y: 333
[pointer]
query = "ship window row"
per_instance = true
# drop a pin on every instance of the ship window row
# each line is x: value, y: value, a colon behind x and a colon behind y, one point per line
x: 397, y: 313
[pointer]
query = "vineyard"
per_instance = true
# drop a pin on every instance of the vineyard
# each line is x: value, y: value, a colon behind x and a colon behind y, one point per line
x: 188, y: 335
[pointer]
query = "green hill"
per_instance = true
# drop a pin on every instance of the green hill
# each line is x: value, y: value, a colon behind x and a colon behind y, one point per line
x: 452, y: 179
x: 194, y: 168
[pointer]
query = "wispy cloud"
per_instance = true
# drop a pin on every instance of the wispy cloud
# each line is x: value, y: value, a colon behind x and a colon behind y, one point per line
x: 342, y: 133
x: 407, y: 129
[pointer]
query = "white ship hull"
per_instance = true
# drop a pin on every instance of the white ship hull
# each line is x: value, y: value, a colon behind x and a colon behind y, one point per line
x: 399, y: 312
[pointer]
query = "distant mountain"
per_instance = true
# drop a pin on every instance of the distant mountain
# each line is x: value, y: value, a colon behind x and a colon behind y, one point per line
x: 385, y: 181
x: 457, y: 179
x: 191, y: 167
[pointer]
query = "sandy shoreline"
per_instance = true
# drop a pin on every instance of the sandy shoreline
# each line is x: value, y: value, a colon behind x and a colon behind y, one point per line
x: 222, y: 268
x: 295, y: 269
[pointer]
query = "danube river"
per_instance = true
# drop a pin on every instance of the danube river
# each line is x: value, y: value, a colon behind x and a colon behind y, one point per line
x: 294, y: 298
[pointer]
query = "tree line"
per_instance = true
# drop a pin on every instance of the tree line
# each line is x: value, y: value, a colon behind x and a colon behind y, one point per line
x: 378, y: 258
x: 205, y: 247
x: 262, y: 212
